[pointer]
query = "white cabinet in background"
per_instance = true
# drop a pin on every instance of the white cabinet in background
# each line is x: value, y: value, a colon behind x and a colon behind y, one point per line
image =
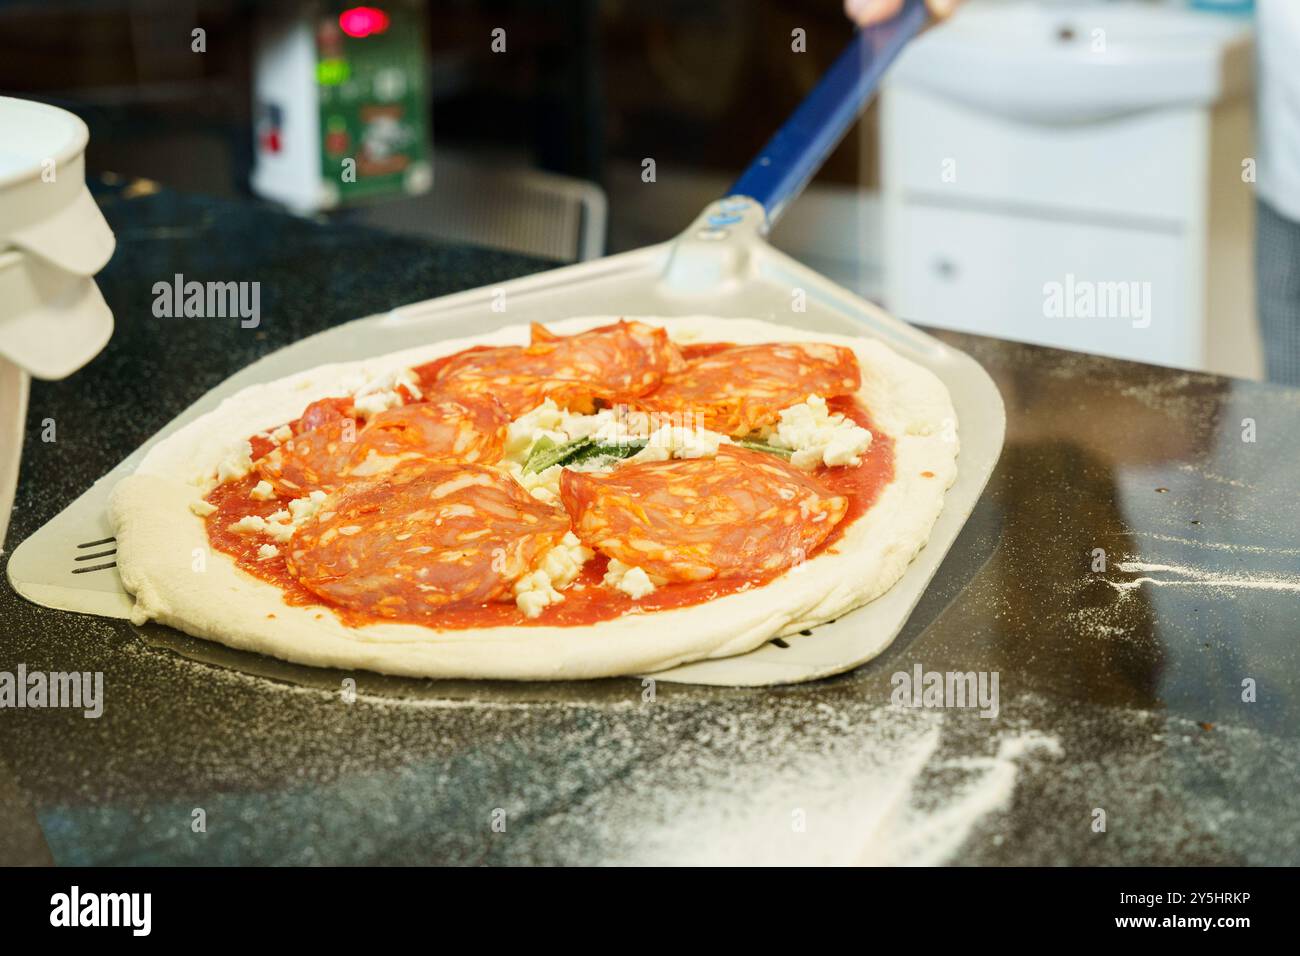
x: 1009, y: 191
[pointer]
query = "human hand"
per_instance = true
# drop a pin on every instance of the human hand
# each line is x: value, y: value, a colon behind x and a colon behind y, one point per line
x: 866, y: 12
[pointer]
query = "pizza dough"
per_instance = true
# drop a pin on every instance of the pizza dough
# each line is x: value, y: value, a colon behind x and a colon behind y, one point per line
x: 165, y: 560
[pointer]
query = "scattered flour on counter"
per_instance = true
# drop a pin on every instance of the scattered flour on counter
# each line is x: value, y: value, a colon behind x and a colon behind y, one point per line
x: 885, y: 797
x: 1213, y: 545
x: 1211, y: 476
x: 592, y: 774
x: 927, y: 839
x: 1200, y: 578
x: 698, y: 781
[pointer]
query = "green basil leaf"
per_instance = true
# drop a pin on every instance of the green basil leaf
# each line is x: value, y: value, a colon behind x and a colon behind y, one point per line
x: 762, y: 446
x: 595, y: 450
x: 546, y: 453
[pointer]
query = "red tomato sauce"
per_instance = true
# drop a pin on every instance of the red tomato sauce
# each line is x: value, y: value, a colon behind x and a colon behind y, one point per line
x: 863, y: 483
x: 586, y: 601
x: 233, y: 503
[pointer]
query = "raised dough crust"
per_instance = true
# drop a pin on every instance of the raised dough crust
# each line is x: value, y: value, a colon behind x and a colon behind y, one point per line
x: 160, y: 541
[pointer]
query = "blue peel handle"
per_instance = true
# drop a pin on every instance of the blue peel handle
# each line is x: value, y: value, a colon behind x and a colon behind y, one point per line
x: 794, y: 154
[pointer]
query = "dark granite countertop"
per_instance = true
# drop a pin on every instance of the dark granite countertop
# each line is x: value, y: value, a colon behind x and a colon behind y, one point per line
x: 1121, y: 690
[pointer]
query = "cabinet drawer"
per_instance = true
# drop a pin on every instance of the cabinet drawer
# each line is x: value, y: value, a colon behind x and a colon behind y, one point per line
x: 1030, y: 280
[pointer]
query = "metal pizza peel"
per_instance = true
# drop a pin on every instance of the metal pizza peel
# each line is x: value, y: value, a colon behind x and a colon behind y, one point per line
x: 721, y: 265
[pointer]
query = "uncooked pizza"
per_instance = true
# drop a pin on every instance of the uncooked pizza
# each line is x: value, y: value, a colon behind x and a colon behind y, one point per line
x: 590, y: 498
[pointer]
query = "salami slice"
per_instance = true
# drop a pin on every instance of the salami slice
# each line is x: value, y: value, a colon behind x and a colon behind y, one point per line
x: 320, y: 413
x: 659, y: 351
x: 422, y: 539
x: 612, y: 363
x: 738, y: 389
x: 338, y: 450
x: 443, y: 429
x: 317, y: 458
x: 743, y: 513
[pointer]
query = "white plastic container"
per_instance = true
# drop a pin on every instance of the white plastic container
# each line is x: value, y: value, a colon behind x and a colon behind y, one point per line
x: 53, y: 238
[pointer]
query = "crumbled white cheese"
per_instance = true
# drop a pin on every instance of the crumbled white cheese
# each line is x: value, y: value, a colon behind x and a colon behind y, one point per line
x: 526, y: 430
x: 604, y: 426
x: 249, y: 524
x: 614, y: 426
x: 262, y: 491
x: 609, y: 426
x: 276, y: 436
x: 277, y: 527
x: 542, y: 485
x: 664, y: 436
x: 303, y: 508
x: 266, y: 552
x: 372, y: 403
x: 563, y: 563
x: 202, y: 508
x: 379, y: 396
x: 817, y: 436
x: 671, y: 441
x: 631, y: 580
x: 236, y: 464
x: 281, y: 525
x: 535, y: 592
x: 558, y: 568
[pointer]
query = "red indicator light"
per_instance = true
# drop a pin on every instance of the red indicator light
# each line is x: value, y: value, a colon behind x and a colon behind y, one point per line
x: 363, y: 21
